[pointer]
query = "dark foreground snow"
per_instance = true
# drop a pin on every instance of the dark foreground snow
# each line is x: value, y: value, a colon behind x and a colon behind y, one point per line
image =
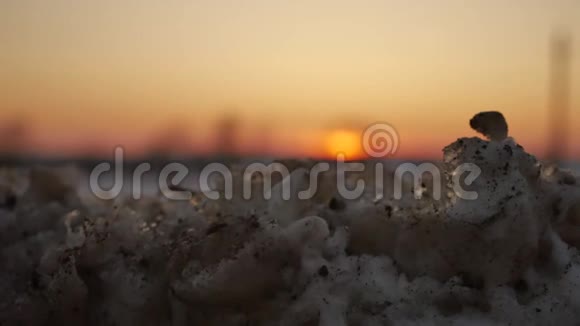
x: 508, y: 258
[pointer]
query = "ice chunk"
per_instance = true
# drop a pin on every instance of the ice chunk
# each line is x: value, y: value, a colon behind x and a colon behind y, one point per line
x: 491, y: 124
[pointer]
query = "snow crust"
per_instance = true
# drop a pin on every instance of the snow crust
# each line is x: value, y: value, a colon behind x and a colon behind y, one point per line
x: 508, y: 258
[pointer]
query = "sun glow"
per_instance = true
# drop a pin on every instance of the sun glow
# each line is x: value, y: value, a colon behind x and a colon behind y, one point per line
x: 346, y: 142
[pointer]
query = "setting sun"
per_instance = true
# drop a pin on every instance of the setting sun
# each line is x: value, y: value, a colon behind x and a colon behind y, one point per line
x: 347, y: 142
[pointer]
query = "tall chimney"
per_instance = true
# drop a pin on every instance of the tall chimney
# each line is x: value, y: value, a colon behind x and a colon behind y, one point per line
x: 559, y: 94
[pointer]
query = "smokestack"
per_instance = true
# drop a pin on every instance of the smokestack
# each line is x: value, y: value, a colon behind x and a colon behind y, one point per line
x: 559, y: 94
x: 226, y: 137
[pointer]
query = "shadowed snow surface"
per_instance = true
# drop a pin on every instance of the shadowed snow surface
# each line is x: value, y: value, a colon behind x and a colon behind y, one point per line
x: 509, y: 257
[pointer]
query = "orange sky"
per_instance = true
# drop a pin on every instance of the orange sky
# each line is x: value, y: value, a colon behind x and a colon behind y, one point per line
x: 86, y: 75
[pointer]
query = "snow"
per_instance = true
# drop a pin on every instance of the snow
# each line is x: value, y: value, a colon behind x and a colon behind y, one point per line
x: 509, y: 257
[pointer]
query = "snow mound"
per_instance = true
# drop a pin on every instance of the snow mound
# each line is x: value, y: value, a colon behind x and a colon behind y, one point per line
x: 508, y: 257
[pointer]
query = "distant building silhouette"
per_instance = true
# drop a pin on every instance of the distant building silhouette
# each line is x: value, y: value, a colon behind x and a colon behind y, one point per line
x: 173, y: 140
x: 559, y: 94
x: 13, y: 136
x: 226, y: 136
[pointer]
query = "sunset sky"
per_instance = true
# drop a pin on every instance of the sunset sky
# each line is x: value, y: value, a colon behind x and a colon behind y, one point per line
x: 84, y: 76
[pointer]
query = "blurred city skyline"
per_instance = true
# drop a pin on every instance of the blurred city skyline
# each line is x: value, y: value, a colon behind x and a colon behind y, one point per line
x: 277, y: 78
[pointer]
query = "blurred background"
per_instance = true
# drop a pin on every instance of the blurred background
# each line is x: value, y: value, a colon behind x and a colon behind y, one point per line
x: 282, y: 78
